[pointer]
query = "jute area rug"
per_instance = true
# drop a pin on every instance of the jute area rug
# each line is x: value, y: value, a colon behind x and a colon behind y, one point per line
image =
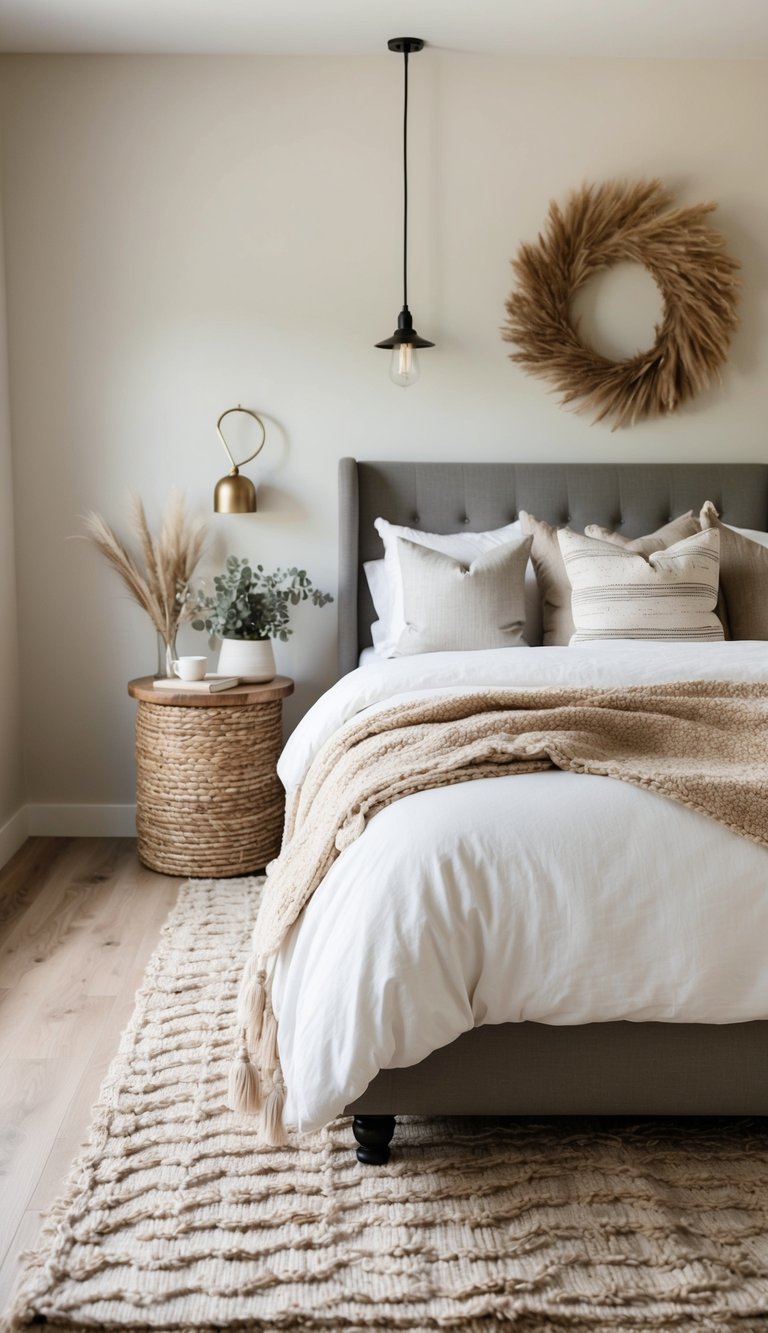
x: 176, y: 1218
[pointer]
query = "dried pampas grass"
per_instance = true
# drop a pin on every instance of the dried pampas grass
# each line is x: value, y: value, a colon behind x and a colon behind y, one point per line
x: 158, y: 579
x: 603, y: 225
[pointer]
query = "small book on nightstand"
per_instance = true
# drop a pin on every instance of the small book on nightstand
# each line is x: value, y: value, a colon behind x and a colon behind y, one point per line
x: 209, y: 685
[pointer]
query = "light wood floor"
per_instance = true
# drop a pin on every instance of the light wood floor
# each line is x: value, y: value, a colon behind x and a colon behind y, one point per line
x: 79, y: 918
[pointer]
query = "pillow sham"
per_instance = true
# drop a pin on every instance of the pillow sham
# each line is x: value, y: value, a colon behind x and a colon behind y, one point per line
x: 622, y: 594
x: 458, y: 545
x: 558, y: 626
x: 452, y: 605
x: 743, y: 575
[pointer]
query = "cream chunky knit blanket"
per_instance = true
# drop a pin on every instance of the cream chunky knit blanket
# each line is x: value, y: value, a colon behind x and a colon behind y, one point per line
x: 704, y: 744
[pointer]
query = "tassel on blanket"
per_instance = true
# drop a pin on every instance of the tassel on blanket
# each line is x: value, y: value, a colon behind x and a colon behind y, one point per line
x: 269, y: 1060
x: 244, y: 1089
x: 251, y: 1002
x: 272, y: 1127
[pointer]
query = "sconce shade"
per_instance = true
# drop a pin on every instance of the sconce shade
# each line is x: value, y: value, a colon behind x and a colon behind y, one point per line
x: 234, y: 495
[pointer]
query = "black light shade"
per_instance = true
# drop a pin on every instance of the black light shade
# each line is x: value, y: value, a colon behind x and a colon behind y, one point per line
x: 404, y: 369
x: 405, y: 333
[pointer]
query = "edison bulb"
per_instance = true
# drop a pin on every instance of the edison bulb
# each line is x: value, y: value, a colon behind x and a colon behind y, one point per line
x: 404, y: 366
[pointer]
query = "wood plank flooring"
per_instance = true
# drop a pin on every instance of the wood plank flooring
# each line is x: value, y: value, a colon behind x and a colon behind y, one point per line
x: 79, y: 918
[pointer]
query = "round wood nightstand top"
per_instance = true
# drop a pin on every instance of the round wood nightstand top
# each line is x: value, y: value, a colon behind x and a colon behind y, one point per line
x: 278, y: 688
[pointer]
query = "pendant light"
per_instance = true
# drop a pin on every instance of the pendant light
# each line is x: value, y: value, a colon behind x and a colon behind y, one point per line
x: 404, y: 366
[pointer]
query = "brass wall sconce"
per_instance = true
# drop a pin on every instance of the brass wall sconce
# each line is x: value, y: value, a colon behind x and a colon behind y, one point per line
x: 235, y: 494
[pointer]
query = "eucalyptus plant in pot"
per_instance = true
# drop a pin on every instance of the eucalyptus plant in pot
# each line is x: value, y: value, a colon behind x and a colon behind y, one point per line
x: 247, y: 610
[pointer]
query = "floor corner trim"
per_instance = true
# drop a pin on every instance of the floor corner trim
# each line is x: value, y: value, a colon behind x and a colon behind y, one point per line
x: 58, y: 820
x: 13, y: 834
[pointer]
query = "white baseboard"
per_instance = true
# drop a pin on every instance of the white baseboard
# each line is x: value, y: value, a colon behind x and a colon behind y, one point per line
x: 65, y: 821
x: 81, y: 821
x: 13, y: 833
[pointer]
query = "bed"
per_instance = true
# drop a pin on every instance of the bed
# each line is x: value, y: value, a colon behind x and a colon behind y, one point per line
x: 561, y: 1065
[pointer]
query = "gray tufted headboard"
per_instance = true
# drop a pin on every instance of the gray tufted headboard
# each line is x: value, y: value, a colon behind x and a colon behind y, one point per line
x: 444, y: 497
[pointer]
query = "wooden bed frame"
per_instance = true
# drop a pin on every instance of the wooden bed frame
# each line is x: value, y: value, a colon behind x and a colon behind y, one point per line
x: 532, y: 1068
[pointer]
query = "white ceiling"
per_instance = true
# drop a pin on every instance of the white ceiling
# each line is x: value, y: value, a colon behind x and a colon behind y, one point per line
x: 700, y: 29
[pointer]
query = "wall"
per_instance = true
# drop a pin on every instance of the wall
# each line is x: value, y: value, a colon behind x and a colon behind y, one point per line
x: 12, y: 814
x: 184, y: 234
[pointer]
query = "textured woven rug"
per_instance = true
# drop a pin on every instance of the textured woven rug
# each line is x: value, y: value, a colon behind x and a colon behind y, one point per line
x: 176, y: 1218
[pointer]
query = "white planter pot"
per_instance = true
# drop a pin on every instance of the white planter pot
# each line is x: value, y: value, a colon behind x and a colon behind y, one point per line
x: 250, y: 659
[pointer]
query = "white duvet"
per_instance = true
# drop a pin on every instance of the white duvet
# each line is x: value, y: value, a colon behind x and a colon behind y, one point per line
x: 556, y: 897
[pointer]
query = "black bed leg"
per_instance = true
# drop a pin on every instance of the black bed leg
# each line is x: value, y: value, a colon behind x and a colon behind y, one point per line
x: 374, y: 1135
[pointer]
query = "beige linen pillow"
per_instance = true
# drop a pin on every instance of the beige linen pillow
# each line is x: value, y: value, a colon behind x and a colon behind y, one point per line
x: 452, y: 605
x: 621, y: 594
x: 743, y: 577
x: 675, y: 531
x: 554, y: 588
x: 558, y: 626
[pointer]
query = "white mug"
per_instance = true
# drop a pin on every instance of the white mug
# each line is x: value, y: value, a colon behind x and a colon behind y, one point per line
x: 190, y: 668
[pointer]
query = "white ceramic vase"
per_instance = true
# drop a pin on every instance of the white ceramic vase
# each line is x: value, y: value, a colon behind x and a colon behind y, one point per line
x: 250, y: 659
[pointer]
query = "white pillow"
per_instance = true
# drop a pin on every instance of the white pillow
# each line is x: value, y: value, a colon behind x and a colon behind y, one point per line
x: 377, y: 586
x: 752, y: 534
x: 465, y: 546
x: 621, y: 594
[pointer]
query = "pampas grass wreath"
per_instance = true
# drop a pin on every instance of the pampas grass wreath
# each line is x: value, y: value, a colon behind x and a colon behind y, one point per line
x: 606, y: 224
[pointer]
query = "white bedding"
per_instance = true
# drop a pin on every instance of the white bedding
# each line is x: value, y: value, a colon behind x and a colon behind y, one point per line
x: 555, y: 897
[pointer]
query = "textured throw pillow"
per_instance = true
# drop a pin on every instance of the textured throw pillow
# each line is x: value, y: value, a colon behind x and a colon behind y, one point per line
x: 743, y: 576
x: 450, y: 605
x: 621, y: 594
x: 376, y: 578
x: 459, y: 545
x: 558, y: 626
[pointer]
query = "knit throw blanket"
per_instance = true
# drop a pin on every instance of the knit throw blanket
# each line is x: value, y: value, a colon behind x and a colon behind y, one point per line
x: 704, y: 744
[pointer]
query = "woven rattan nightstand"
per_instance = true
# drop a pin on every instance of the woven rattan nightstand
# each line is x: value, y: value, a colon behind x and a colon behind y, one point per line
x: 208, y: 799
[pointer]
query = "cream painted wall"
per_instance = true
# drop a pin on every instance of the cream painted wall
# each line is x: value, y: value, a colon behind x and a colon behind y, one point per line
x: 187, y: 233
x: 12, y: 823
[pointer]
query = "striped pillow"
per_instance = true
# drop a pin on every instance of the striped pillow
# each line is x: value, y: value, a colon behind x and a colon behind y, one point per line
x: 621, y: 594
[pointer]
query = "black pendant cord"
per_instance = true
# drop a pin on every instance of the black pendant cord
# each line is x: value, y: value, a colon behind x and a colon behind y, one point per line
x: 405, y: 184
x: 405, y: 334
